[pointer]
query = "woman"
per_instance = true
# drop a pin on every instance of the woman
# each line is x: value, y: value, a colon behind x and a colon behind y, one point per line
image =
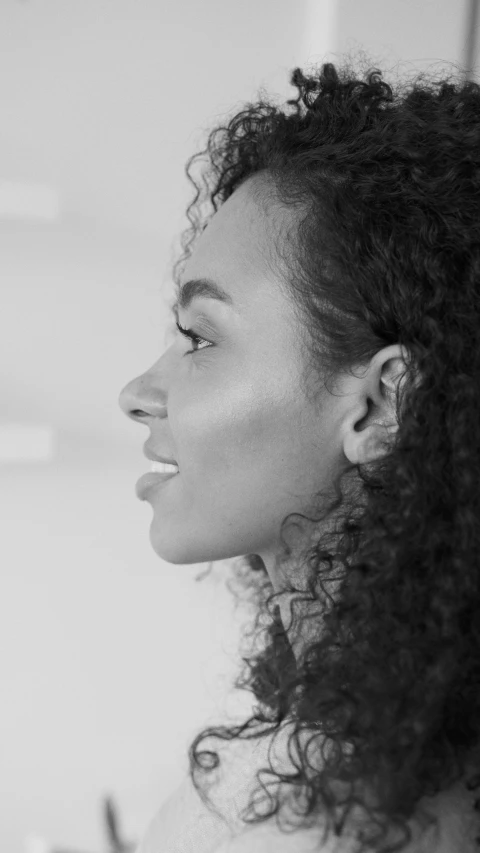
x: 321, y: 401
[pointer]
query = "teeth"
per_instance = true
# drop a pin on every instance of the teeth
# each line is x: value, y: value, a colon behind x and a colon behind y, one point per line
x: 163, y: 468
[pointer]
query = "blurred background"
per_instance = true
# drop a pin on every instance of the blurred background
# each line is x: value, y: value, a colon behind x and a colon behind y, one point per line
x: 110, y: 659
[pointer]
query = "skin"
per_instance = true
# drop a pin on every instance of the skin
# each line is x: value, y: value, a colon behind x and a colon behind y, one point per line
x: 251, y: 445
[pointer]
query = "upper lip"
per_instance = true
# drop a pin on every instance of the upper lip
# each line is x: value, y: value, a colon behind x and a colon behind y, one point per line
x: 155, y: 457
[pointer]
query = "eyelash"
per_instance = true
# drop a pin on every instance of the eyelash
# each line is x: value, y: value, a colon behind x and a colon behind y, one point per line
x: 187, y: 333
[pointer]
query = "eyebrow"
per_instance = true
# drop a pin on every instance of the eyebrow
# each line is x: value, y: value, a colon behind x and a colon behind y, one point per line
x: 197, y: 288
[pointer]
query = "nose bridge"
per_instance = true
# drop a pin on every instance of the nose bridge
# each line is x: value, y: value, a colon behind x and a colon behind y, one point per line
x: 147, y: 394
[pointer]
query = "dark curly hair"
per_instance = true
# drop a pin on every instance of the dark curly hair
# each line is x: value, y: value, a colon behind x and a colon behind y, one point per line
x: 383, y: 182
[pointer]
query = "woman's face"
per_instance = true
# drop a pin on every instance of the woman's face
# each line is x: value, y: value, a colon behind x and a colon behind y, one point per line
x: 251, y: 448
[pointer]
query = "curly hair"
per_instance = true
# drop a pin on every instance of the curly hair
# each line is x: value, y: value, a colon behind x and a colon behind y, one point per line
x: 383, y: 182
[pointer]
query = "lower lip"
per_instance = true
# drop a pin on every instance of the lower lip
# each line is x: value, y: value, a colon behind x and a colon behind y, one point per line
x: 150, y: 480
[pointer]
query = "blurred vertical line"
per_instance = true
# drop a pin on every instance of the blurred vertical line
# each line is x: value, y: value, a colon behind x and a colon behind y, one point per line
x: 320, y: 31
x: 471, y: 37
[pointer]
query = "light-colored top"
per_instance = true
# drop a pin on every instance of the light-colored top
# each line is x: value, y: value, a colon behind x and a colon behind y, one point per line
x: 184, y: 824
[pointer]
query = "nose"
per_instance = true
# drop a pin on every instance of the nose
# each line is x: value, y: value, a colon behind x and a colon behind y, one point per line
x: 141, y: 400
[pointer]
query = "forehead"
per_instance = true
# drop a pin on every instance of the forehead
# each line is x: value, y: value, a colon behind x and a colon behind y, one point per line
x: 240, y: 242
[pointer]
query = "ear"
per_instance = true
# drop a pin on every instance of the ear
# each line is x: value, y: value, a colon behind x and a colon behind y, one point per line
x: 370, y: 424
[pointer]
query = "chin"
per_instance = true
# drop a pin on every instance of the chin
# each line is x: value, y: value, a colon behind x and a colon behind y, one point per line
x: 169, y: 553
x: 175, y: 552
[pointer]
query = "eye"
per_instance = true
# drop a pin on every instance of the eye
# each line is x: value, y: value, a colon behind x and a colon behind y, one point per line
x: 196, y: 340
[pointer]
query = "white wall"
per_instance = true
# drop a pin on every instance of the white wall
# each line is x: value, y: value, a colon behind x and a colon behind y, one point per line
x: 416, y: 33
x: 110, y: 659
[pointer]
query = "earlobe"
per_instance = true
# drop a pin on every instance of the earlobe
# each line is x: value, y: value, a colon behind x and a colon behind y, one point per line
x: 369, y: 444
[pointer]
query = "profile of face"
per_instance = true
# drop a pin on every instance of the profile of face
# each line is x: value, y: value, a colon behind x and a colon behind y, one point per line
x: 251, y: 446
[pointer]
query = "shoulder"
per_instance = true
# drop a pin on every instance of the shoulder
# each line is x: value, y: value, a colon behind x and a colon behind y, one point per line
x: 457, y: 830
x: 183, y: 823
x: 267, y: 838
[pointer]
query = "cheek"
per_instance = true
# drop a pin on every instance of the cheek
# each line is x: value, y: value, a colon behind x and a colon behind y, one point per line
x: 223, y: 431
x: 248, y: 431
